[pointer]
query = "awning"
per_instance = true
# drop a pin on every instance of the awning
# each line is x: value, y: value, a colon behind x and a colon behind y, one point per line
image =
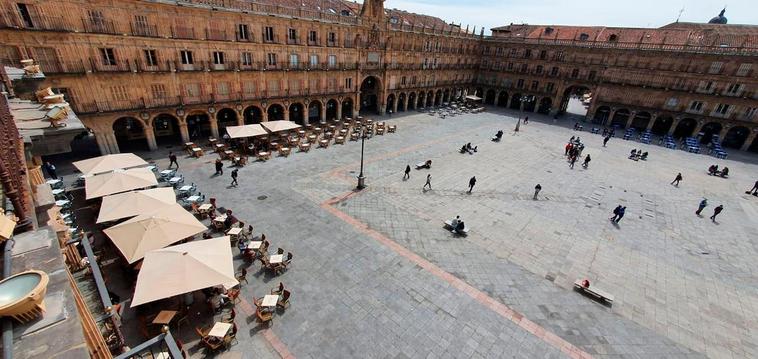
x: 473, y: 98
x: 245, y: 131
x: 130, y: 204
x: 276, y: 126
x: 119, y: 181
x: 109, y: 163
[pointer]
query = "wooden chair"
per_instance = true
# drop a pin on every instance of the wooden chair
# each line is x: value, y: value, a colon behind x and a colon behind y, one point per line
x: 279, y: 250
x: 263, y: 317
x: 278, y: 290
x: 284, y: 300
x: 229, y: 318
x: 264, y: 260
x: 339, y: 140
x: 234, y: 295
x: 202, y: 333
x: 288, y: 260
x: 231, y: 337
x: 391, y: 129
x: 195, y: 209
x: 242, y: 276
x: 305, y: 147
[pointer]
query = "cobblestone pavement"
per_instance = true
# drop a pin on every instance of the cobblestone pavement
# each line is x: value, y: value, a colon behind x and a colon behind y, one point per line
x: 375, y: 275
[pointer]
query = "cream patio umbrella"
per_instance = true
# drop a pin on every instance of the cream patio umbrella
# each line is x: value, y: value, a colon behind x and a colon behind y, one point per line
x: 184, y: 268
x: 245, y: 131
x: 119, y: 181
x: 153, y: 230
x: 277, y: 126
x: 109, y: 163
x: 130, y: 204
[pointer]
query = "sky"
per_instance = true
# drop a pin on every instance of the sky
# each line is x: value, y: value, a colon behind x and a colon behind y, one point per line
x: 626, y: 13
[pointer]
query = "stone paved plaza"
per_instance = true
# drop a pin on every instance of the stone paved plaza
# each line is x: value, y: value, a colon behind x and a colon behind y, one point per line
x: 375, y: 275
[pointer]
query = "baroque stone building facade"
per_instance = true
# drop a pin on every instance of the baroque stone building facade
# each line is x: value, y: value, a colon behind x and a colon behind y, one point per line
x: 144, y: 73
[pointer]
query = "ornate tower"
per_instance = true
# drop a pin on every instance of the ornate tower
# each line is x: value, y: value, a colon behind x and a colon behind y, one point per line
x: 373, y: 10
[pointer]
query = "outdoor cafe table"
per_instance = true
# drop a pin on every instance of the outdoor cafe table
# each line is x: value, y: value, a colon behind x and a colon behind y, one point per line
x: 58, y: 191
x: 233, y: 232
x: 189, y: 144
x: 205, y: 207
x: 166, y: 173
x: 255, y: 245
x: 185, y: 188
x: 220, y: 329
x: 152, y: 168
x: 312, y: 138
x: 55, y: 183
x: 220, y: 218
x: 276, y: 258
x: 269, y: 300
x: 62, y: 202
x: 192, y: 199
x: 174, y: 180
x: 164, y: 317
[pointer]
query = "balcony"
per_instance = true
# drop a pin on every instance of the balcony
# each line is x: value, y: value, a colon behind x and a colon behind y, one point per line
x: 144, y: 30
x: 99, y: 26
x: 217, y: 35
x: 11, y: 20
x: 294, y: 41
x: 63, y: 67
x: 273, y: 39
x: 182, y: 32
x: 97, y: 65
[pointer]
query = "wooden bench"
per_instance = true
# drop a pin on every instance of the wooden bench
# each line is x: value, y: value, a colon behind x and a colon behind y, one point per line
x: 593, y: 291
x: 449, y: 226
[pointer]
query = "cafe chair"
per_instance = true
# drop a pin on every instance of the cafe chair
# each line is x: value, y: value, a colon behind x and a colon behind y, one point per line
x: 242, y: 276
x: 284, y: 300
x: 280, y: 251
x: 263, y: 317
x: 278, y: 290
x: 230, y: 318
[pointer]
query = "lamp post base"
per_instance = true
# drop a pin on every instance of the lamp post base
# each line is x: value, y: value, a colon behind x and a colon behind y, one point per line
x: 361, y: 182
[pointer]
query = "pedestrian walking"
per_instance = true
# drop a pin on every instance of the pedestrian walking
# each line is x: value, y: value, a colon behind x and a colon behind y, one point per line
x: 572, y: 160
x: 621, y: 213
x: 234, y: 177
x: 526, y: 120
x: 537, y: 190
x: 701, y: 206
x: 471, y: 184
x: 615, y: 213
x: 754, y: 189
x: 172, y: 159
x: 219, y: 167
x: 676, y: 180
x: 716, y: 212
x: 50, y: 168
x: 606, y: 139
x: 568, y: 147
x: 407, y: 172
x: 586, y: 161
x: 428, y: 181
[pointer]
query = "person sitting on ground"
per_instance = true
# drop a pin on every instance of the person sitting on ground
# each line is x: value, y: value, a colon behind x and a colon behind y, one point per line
x: 468, y: 146
x: 475, y: 148
x: 713, y: 170
x: 725, y: 172
x: 454, y: 221
x: 460, y: 227
x: 428, y: 164
x: 499, y: 134
x: 464, y: 149
x: 632, y: 154
x: 644, y: 156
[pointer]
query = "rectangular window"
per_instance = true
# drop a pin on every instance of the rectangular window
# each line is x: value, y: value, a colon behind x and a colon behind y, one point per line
x: 510, y: 66
x: 734, y: 89
x: 312, y: 37
x: 715, y: 67
x: 722, y: 109
x: 524, y: 68
x: 192, y: 90
x: 248, y: 87
x: 750, y: 112
x: 314, y: 60
x: 554, y: 71
x: 150, y: 58
x: 246, y: 58
x: 349, y: 83
x: 744, y: 69
x: 186, y: 56
x: 243, y: 33
x: 520, y: 83
x: 268, y: 34
x: 403, y: 80
x: 119, y: 93
x: 223, y: 88
x: 543, y: 55
x: 672, y: 102
x: 592, y: 75
x: 218, y: 58
x: 332, y: 39
x: 550, y: 87
x: 23, y: 10
x: 294, y: 61
x: 332, y: 61
x: 527, y: 53
x: 539, y: 69
x: 696, y: 106
x: 108, y: 56
x: 271, y: 59
x: 158, y: 90
x: 535, y: 85
x: 574, y: 73
x: 292, y: 36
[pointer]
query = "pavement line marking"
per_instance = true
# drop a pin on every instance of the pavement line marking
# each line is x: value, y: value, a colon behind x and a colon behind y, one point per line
x: 481, y: 297
x: 268, y: 334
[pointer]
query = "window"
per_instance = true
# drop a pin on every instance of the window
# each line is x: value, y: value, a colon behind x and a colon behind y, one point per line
x: 550, y: 87
x: 592, y: 75
x: 150, y: 58
x: 574, y: 73
x: 158, y: 90
x: 25, y: 15
x: 292, y: 36
x: 314, y: 60
x: 294, y: 60
x: 696, y: 106
x: 312, y: 37
x: 242, y: 32
x: 744, y: 69
x: 268, y: 34
x: 520, y: 83
x: 141, y: 26
x: 192, y: 90
x: 524, y: 68
x: 535, y: 85
x: 672, y: 102
x: 543, y: 55
x: 584, y: 37
x: 560, y: 55
x: 248, y: 87
x: 722, y: 109
x: 271, y: 59
x: 613, y: 38
x: 539, y: 69
x: 554, y: 71
x: 119, y: 93
x: 349, y: 83
x: 527, y: 53
x: 223, y: 88
x: 510, y: 66
x: 186, y: 56
x: 403, y: 80
x: 715, y: 67
x: 750, y: 112
x: 332, y: 61
x: 332, y: 38
x: 246, y: 58
x: 734, y: 89
x: 218, y: 58
x: 706, y: 86
x: 107, y: 56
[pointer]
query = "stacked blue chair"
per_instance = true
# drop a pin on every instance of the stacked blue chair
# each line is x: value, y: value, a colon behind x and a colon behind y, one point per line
x: 692, y: 145
x: 645, y: 137
x: 629, y: 133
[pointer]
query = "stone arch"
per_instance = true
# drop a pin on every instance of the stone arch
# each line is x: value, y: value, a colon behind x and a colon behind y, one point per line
x: 662, y: 125
x: 641, y: 120
x: 226, y: 117
x: 753, y: 146
x: 735, y: 137
x: 438, y: 98
x: 530, y: 104
x: 401, y: 102
x: 314, y: 111
x: 412, y: 101
x: 574, y: 91
x: 421, y: 99
x: 166, y: 129
x: 297, y: 113
x: 253, y: 114
x: 198, y: 125
x: 130, y: 134
x: 331, y: 109
x: 685, y: 127
x: 709, y: 130
x: 446, y: 96
x: 620, y: 118
x: 502, y: 99
x: 601, y: 115
x: 390, y: 103
x: 545, y: 105
x: 489, y: 97
x: 429, y: 99
x: 347, y: 107
x: 370, y: 91
x: 516, y: 101
x: 275, y: 112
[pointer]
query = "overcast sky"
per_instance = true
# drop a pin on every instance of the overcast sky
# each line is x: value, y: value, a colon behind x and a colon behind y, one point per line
x: 629, y: 13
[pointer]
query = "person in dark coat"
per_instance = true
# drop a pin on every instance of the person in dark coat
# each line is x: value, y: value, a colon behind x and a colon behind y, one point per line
x: 471, y: 184
x: 219, y: 167
x: 407, y: 174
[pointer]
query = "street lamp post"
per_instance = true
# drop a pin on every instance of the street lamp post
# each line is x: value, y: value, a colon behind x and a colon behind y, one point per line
x: 361, y: 177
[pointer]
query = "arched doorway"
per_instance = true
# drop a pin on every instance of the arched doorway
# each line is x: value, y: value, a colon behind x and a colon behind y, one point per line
x: 576, y: 100
x: 347, y: 107
x: 331, y: 109
x: 130, y: 134
x: 709, y: 130
x: 530, y: 103
x: 401, y: 102
x: 297, y: 113
x: 502, y: 99
x: 478, y: 92
x: 275, y: 112
x: 620, y: 118
x: 516, y: 101
x: 640, y: 121
x: 685, y: 128
x: 412, y: 101
x: 198, y: 126
x: 438, y: 98
x: 753, y: 146
x: 369, y: 95
x: 430, y: 99
x: 166, y: 129
x: 735, y: 137
x: 662, y: 125
x: 390, y: 103
x: 226, y: 117
x: 489, y: 99
x: 601, y: 115
x: 421, y: 99
x: 446, y: 96
x: 545, y: 105
x: 253, y: 114
x: 314, y: 112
